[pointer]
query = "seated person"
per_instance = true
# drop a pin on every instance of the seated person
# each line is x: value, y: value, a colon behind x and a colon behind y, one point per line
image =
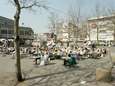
x: 71, y: 61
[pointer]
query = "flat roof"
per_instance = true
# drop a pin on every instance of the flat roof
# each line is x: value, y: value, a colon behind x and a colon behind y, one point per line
x: 1, y: 17
x: 101, y: 18
x: 11, y: 21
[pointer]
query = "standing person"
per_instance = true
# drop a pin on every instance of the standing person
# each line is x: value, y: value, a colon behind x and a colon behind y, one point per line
x: 35, y: 56
x: 5, y: 46
x: 93, y: 46
x: 44, y: 57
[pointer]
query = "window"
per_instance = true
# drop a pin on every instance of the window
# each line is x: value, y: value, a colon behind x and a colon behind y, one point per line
x: 3, y: 31
x: 5, y: 24
x: 27, y: 33
x: 21, y: 32
x: 102, y: 31
x: 10, y: 32
x: 2, y: 25
x: 9, y: 26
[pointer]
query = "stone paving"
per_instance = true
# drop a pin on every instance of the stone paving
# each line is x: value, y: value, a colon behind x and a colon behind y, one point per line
x: 54, y: 74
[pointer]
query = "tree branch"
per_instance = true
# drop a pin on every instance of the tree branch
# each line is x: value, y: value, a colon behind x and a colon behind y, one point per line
x: 34, y: 4
x: 30, y: 6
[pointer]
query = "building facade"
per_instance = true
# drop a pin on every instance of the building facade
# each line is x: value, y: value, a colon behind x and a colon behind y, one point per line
x: 66, y: 32
x: 101, y: 28
x: 72, y: 33
x: 7, y: 30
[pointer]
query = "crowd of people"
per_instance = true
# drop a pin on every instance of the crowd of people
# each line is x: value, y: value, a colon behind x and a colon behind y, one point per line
x: 70, y: 55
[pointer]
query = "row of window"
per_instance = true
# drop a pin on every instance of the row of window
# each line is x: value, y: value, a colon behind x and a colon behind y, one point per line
x: 6, y: 25
x: 12, y: 32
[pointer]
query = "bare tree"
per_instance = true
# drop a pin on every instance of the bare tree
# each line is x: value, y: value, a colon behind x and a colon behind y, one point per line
x: 20, y: 5
x: 74, y: 20
x: 84, y: 31
x: 53, y: 20
x: 98, y: 13
x: 17, y: 48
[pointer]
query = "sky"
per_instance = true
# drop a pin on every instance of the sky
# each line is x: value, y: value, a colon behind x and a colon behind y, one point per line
x: 39, y: 20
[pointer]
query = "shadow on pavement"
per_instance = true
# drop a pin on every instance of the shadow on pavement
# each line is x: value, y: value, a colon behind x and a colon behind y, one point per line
x: 51, y: 74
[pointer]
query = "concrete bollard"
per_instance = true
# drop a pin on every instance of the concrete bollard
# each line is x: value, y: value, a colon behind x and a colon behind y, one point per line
x: 103, y: 74
x: 113, y: 59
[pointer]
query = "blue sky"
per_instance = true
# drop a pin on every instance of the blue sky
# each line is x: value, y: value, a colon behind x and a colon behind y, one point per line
x: 39, y: 20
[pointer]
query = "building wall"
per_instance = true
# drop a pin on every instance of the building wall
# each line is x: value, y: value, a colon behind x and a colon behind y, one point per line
x: 66, y: 32
x: 7, y: 30
x: 62, y: 35
x: 105, y: 26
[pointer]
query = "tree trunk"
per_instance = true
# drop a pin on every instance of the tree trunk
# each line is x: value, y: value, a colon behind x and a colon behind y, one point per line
x: 17, y: 40
x: 97, y: 35
x: 114, y: 32
x: 88, y: 32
